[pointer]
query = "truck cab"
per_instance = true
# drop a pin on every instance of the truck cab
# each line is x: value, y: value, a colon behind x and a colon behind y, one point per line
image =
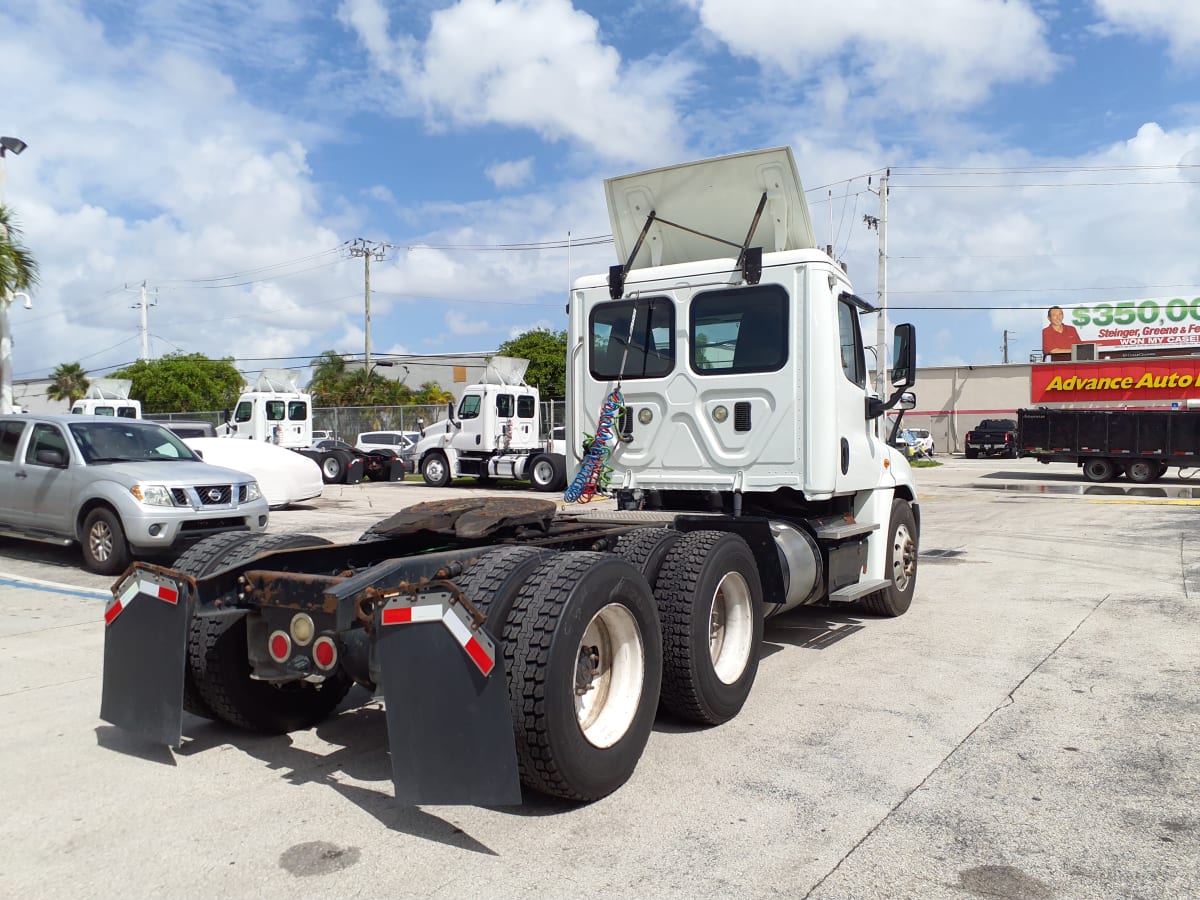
x: 739, y: 375
x: 276, y: 411
x: 108, y: 397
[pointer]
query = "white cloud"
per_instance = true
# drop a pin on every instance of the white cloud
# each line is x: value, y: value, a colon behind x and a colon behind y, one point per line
x: 1176, y: 22
x: 462, y: 324
x: 536, y: 64
x: 513, y: 173
x: 919, y: 54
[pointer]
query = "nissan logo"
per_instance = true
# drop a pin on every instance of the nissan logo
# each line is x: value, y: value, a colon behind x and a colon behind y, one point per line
x: 214, y: 494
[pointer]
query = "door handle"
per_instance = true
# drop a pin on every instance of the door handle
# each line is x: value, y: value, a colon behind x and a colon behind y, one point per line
x: 21, y: 475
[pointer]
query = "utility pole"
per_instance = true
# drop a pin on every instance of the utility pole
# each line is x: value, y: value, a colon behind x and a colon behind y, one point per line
x: 1004, y: 346
x: 367, y: 250
x: 145, y: 322
x: 881, y: 326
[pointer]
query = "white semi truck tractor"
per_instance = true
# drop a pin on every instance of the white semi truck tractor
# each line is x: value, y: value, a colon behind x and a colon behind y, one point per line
x: 719, y: 371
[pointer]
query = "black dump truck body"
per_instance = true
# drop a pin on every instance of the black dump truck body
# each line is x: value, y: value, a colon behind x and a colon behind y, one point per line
x: 1141, y: 443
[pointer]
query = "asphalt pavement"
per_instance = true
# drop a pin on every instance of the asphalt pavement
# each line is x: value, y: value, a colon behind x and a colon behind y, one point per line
x: 1029, y: 729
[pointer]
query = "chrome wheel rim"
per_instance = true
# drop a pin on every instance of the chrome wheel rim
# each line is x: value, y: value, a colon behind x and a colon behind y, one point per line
x: 100, y: 540
x: 610, y: 670
x: 904, y: 558
x: 730, y: 627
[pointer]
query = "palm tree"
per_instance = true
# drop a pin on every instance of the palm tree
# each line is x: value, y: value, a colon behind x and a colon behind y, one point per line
x: 70, y: 383
x: 18, y: 268
x: 328, y: 376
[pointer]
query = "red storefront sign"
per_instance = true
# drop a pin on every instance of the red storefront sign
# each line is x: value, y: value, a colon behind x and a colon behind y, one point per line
x: 1146, y: 379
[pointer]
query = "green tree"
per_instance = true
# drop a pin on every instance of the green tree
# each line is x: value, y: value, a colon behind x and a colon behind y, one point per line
x: 184, y: 382
x: 68, y: 382
x: 547, y: 354
x: 18, y: 268
x: 328, y: 377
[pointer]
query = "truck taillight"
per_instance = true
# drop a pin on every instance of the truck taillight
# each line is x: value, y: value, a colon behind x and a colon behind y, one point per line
x: 1008, y: 436
x: 279, y: 645
x: 325, y: 653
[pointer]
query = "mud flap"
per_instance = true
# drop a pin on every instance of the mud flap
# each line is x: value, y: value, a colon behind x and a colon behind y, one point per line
x: 446, y: 697
x: 145, y: 648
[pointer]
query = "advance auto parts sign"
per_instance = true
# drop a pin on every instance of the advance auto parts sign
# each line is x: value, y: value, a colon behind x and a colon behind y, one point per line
x: 1159, y: 379
x: 1158, y: 322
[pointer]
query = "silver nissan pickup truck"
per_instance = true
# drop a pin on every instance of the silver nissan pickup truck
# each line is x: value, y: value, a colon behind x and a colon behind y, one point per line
x: 121, y: 488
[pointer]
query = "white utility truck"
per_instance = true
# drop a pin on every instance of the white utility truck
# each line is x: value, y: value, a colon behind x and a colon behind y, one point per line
x: 108, y: 397
x: 720, y: 370
x: 494, y: 436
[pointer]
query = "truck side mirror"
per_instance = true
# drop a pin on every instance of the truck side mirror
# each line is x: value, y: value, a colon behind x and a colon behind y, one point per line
x: 908, y: 400
x: 450, y: 414
x: 904, y: 356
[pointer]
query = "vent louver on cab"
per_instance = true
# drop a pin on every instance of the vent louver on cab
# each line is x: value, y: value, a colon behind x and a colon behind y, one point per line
x: 741, y: 416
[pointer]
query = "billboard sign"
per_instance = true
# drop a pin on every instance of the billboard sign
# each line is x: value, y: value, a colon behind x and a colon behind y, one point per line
x: 1153, y: 323
x: 1160, y: 380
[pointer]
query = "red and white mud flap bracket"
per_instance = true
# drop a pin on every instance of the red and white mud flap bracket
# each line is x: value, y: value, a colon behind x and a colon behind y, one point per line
x: 145, y: 647
x: 444, y: 689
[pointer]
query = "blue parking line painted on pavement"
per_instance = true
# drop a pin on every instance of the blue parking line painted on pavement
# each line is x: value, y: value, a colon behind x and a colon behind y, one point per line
x: 52, y: 589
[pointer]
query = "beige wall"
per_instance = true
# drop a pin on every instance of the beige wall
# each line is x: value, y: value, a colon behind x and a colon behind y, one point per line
x: 951, y: 400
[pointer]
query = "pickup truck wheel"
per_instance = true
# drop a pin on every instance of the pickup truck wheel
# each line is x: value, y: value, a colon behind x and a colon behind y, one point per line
x: 435, y: 469
x: 1162, y: 470
x: 542, y: 473
x: 332, y: 467
x: 971, y: 454
x: 220, y: 665
x: 901, y: 565
x: 1142, y: 471
x: 646, y: 548
x: 1099, y: 469
x: 493, y: 581
x: 105, y: 550
x: 584, y: 659
x: 710, y: 600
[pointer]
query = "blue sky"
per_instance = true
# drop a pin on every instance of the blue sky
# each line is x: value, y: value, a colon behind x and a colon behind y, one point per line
x: 227, y: 151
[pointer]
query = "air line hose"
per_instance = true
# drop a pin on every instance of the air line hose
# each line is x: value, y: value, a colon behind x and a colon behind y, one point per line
x: 584, y: 486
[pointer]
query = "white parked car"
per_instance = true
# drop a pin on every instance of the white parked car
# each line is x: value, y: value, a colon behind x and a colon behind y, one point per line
x: 923, y: 440
x: 284, y: 476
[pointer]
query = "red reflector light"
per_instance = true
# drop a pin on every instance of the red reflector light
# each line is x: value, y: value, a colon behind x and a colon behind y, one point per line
x: 324, y: 653
x: 280, y: 646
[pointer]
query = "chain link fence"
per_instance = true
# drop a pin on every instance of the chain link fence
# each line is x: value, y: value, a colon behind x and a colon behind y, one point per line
x: 348, y: 422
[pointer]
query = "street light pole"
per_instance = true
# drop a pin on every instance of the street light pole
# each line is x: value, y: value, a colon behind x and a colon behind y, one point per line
x: 16, y: 146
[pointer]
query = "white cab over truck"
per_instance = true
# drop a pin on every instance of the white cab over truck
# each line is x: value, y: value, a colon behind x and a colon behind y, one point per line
x: 108, y: 397
x: 495, y: 434
x: 720, y: 369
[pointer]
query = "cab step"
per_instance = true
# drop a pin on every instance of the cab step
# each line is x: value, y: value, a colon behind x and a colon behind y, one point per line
x: 852, y: 592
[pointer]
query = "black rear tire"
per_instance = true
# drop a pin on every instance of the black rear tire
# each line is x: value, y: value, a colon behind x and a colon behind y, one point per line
x: 584, y: 660
x: 972, y: 454
x: 1142, y: 471
x: 710, y: 599
x: 493, y: 581
x: 333, y: 467
x: 1098, y: 468
x: 646, y: 548
x: 542, y: 473
x: 901, y: 565
x: 220, y: 665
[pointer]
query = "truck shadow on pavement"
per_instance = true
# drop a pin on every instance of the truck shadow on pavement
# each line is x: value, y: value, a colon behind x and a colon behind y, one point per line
x: 810, y: 628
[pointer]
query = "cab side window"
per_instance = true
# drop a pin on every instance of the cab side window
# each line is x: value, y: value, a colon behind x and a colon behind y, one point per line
x: 10, y: 436
x: 244, y: 410
x: 297, y: 410
x: 504, y: 405
x: 275, y: 410
x: 850, y: 338
x: 45, y: 437
x: 525, y: 407
x: 468, y: 407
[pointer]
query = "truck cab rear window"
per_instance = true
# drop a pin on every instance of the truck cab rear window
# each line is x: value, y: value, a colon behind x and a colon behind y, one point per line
x: 739, y: 330
x: 632, y: 339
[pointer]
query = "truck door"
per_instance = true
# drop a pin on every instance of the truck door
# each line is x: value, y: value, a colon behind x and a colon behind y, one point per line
x: 45, y: 491
x: 469, y: 435
x: 858, y: 464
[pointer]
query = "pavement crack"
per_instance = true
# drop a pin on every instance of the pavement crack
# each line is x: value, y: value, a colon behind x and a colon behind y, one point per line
x: 1183, y: 568
x: 1009, y: 700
